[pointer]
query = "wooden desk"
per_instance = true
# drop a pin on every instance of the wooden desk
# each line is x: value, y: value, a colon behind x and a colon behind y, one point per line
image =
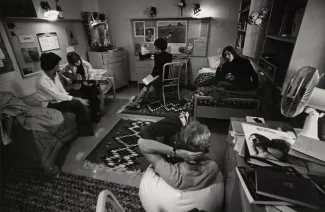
x: 144, y: 68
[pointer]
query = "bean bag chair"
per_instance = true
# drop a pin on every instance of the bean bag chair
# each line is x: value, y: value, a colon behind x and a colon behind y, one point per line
x: 157, y: 196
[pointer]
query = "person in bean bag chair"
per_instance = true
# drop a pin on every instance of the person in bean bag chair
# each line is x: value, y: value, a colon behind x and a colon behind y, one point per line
x: 180, y: 178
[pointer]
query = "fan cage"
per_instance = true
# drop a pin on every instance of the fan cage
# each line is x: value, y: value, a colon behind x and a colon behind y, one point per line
x: 299, y: 91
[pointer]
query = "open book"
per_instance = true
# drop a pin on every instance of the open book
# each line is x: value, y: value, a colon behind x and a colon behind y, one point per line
x: 149, y: 79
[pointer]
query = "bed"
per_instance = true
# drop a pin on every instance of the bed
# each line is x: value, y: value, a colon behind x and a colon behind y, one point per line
x: 228, y: 104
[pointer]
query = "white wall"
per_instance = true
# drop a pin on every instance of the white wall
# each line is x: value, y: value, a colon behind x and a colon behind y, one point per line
x: 310, y: 45
x: 223, y: 26
x: 72, y: 9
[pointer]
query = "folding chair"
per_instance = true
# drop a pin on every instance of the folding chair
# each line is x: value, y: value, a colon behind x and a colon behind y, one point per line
x: 171, y: 77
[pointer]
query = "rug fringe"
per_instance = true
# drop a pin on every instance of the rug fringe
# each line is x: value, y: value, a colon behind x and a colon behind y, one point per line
x: 120, y: 170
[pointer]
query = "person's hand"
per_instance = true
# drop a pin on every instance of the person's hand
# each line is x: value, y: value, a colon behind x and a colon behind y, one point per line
x: 187, y: 155
x: 222, y: 61
x: 83, y: 101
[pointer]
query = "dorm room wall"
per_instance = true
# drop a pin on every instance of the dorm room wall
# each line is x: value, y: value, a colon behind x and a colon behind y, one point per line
x: 222, y: 28
x: 72, y: 9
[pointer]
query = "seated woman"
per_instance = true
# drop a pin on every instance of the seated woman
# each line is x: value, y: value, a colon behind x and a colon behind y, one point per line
x: 161, y: 58
x: 88, y: 90
x: 180, y: 177
x: 234, y: 72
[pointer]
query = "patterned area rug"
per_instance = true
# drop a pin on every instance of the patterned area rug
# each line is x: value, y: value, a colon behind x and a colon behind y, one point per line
x: 33, y: 191
x: 155, y: 107
x: 118, y: 150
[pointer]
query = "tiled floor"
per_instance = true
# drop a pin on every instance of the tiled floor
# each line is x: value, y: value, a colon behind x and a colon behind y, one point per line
x: 79, y: 150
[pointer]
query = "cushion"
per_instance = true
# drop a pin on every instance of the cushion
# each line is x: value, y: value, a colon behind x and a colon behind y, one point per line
x: 156, y: 195
x: 214, y: 61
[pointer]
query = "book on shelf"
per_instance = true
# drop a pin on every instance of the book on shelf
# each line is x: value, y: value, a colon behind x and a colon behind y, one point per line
x: 247, y: 180
x: 286, y: 184
x: 310, y: 147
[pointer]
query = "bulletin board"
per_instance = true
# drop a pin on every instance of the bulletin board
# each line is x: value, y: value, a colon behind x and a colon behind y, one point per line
x: 185, y: 36
x: 30, y: 38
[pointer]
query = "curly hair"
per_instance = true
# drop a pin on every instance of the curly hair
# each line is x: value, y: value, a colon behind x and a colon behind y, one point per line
x: 195, y: 137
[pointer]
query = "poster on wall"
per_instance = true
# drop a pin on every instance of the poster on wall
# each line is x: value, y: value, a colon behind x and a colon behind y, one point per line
x: 138, y: 28
x: 30, y: 54
x: 150, y: 35
x: 26, y: 39
x: 174, y: 32
x: 72, y: 38
x: 6, y: 64
x: 48, y: 41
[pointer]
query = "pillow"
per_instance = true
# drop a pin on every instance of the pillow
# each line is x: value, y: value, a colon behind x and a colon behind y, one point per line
x: 214, y: 61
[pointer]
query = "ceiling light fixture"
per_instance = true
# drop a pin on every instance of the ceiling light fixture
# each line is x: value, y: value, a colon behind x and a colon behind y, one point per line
x: 49, y: 13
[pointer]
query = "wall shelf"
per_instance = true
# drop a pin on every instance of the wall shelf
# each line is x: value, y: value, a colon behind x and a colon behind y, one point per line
x: 27, y: 19
x: 283, y: 39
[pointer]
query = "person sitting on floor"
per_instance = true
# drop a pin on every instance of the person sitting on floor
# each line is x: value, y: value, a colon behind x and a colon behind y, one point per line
x: 88, y: 90
x: 51, y: 93
x: 161, y: 58
x: 233, y: 73
x: 180, y: 178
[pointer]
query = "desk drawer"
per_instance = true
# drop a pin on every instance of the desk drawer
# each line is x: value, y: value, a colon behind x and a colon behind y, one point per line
x: 144, y: 70
x: 108, y: 55
x: 145, y: 64
x: 113, y: 60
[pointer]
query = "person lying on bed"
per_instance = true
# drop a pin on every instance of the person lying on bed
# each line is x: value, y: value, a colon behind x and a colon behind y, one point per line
x: 161, y: 58
x: 233, y: 73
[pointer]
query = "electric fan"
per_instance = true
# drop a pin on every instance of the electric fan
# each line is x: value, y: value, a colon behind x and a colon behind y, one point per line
x: 302, y: 95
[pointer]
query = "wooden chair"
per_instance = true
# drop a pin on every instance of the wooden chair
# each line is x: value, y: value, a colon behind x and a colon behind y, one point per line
x: 171, y: 79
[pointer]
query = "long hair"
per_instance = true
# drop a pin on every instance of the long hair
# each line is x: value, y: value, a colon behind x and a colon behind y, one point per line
x: 73, y: 58
x: 260, y: 141
x: 230, y: 49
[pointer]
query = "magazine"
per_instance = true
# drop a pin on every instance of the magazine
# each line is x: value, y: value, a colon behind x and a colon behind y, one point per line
x: 267, y: 143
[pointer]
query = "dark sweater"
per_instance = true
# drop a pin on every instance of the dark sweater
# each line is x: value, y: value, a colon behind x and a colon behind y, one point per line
x: 238, y: 72
x: 160, y: 60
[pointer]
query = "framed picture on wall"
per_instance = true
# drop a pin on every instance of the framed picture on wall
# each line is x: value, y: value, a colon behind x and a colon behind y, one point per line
x: 72, y: 38
x: 150, y: 35
x: 30, y: 54
x: 138, y: 27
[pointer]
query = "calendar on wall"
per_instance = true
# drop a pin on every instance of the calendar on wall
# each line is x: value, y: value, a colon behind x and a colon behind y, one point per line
x: 48, y: 41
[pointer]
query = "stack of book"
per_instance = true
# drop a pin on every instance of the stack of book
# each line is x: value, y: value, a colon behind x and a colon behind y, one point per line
x: 309, y: 149
x: 281, y: 188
